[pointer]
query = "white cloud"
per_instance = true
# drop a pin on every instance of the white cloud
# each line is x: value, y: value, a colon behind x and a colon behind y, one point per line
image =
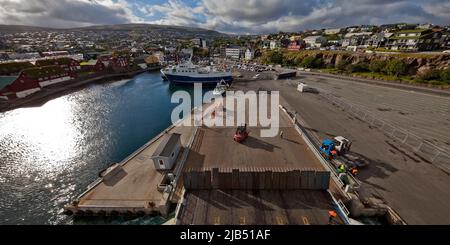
x: 235, y: 16
x: 65, y: 13
x: 256, y: 16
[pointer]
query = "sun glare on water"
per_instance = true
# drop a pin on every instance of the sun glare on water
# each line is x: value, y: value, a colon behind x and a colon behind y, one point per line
x: 49, y: 133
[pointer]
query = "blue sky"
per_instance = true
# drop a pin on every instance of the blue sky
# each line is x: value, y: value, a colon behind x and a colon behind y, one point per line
x: 231, y: 16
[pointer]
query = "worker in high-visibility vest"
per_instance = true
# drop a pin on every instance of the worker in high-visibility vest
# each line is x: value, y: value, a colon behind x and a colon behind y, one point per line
x: 333, y: 215
x: 341, y: 168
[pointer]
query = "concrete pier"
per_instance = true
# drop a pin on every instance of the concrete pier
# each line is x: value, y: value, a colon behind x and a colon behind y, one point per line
x: 261, y: 181
x: 131, y: 188
x: 255, y: 174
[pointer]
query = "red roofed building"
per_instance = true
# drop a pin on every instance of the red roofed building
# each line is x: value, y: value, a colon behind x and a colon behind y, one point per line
x: 296, y: 45
x: 32, y: 80
x: 66, y: 63
x: 120, y: 64
x: 19, y: 87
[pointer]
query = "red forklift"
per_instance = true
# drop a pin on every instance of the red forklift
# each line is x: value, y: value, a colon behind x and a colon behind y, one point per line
x: 241, y: 134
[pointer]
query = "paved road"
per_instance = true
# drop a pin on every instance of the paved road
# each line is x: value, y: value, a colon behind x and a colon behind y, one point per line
x: 425, y: 115
x: 418, y: 190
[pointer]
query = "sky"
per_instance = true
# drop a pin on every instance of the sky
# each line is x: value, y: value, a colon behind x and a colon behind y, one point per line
x: 229, y: 16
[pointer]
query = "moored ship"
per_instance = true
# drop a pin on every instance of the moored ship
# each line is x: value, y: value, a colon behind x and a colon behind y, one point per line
x: 189, y: 73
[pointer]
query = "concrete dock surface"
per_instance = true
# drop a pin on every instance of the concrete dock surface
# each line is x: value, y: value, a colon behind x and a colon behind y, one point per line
x: 134, y: 187
x: 418, y: 190
x: 215, y: 147
x: 250, y: 207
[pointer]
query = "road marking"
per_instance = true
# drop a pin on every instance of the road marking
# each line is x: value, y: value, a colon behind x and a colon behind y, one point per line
x: 242, y: 220
x: 279, y: 220
x: 305, y: 220
x: 217, y: 220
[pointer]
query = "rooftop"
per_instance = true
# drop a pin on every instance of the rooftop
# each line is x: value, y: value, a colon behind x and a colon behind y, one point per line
x: 166, y: 146
x: 6, y: 80
x: 43, y: 71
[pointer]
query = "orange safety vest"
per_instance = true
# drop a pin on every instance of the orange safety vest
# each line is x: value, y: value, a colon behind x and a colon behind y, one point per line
x: 332, y: 213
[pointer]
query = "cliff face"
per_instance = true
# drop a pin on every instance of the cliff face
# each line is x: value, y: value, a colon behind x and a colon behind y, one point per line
x: 416, y: 63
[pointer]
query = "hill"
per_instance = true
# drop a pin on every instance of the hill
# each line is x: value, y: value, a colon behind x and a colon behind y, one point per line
x: 162, y: 29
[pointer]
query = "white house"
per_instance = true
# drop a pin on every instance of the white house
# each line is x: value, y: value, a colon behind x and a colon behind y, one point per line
x: 167, y: 152
x: 249, y: 54
x: 315, y: 41
x: 274, y: 44
x: 332, y: 31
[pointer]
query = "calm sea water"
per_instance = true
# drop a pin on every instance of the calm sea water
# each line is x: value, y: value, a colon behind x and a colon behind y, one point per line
x: 50, y: 153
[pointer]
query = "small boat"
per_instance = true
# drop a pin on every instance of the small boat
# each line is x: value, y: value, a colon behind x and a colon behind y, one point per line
x: 221, y: 88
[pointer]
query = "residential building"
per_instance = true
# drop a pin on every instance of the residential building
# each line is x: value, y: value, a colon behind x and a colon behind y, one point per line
x: 388, y: 27
x: 32, y: 80
x: 296, y: 45
x: 445, y: 40
x: 355, y: 38
x: 274, y: 44
x: 416, y: 40
x: 170, y: 49
x: 366, y: 28
x: 234, y: 52
x: 405, y: 26
x: 425, y: 26
x: 295, y: 38
x: 315, y: 41
x: 332, y: 31
x: 65, y: 63
x: 284, y: 42
x: 352, y: 29
x: 160, y: 56
x: 13, y: 87
x: 120, y: 64
x: 197, y: 42
x: 378, y: 40
x: 249, y: 54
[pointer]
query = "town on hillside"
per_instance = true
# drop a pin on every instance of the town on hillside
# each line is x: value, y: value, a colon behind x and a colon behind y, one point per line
x: 32, y: 59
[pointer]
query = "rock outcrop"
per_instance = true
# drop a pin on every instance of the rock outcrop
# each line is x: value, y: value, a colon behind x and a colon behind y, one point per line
x: 415, y: 62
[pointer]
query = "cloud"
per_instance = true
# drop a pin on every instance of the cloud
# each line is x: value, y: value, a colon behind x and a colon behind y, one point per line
x: 65, y: 13
x: 175, y: 12
x: 262, y: 16
x: 232, y: 16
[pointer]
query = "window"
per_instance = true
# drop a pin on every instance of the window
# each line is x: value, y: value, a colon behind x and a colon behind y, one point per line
x: 161, y: 163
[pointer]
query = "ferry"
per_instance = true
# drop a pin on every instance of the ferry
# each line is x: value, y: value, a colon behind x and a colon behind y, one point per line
x: 188, y: 73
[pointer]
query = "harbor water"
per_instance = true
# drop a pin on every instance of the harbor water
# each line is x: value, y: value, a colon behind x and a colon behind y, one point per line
x: 50, y: 153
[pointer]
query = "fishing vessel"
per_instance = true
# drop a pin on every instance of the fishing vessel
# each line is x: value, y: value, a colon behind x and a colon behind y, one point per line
x: 188, y: 73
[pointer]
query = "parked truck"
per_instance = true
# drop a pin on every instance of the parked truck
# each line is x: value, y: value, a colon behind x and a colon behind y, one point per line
x: 337, y: 151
